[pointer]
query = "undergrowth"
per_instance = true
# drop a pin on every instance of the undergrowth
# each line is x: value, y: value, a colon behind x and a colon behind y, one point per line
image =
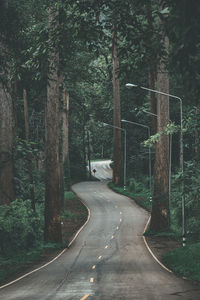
x: 184, y: 261
x: 134, y: 190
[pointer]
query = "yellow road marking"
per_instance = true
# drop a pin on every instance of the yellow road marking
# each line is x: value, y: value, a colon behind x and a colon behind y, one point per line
x: 85, y: 297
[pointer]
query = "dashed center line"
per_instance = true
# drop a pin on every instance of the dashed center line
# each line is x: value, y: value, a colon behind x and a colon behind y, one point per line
x: 100, y: 257
x: 117, y: 227
x: 112, y: 237
x: 120, y: 220
x: 91, y: 279
x: 120, y: 213
x: 106, y: 246
x: 85, y: 297
x: 93, y: 267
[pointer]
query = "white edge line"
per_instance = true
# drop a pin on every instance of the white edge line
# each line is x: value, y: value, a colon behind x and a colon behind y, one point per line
x: 150, y: 251
x: 55, y: 258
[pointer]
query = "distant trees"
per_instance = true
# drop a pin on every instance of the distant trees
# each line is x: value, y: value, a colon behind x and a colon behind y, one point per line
x: 6, y: 120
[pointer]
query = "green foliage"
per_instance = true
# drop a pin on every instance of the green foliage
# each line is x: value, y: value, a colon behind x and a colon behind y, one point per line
x: 67, y: 215
x: 23, y: 152
x: 135, y: 190
x: 191, y: 180
x: 20, y: 227
x: 170, y: 129
x: 185, y: 261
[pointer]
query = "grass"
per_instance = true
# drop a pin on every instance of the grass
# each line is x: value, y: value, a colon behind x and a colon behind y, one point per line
x: 140, y: 197
x: 169, y: 234
x: 15, y: 262
x: 185, y: 261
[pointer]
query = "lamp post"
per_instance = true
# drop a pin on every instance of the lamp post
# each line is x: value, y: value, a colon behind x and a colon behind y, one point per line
x: 124, y: 130
x: 150, y: 176
x: 131, y: 85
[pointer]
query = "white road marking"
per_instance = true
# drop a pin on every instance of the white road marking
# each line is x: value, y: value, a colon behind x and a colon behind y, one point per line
x: 106, y: 247
x: 91, y: 279
x: 100, y: 257
x: 93, y: 267
x: 156, y: 259
x: 55, y: 258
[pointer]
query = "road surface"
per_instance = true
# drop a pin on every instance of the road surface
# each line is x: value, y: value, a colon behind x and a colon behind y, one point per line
x: 108, y: 260
x: 101, y: 169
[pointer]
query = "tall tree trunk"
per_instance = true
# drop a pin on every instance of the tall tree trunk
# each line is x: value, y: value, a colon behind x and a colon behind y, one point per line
x: 52, y: 132
x: 160, y: 206
x: 89, y: 160
x: 152, y: 68
x: 6, y: 129
x: 116, y: 111
x: 29, y: 156
x: 65, y: 140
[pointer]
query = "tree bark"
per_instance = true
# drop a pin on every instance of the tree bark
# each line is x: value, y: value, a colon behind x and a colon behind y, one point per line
x: 29, y: 157
x: 6, y: 130
x: 65, y: 139
x: 52, y: 132
x: 152, y: 68
x: 160, y: 205
x: 116, y: 111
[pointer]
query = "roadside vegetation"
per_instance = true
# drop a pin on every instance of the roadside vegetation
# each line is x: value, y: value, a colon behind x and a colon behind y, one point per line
x: 64, y: 66
x: 22, y: 245
x: 183, y: 261
x: 135, y: 190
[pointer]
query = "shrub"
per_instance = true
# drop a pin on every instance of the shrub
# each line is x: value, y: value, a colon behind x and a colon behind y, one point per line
x: 20, y: 227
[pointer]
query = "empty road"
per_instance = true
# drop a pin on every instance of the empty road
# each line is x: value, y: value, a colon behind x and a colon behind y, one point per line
x: 108, y: 260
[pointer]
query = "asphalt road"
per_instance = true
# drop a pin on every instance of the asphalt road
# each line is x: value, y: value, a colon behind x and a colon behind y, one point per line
x: 101, y: 169
x: 108, y: 260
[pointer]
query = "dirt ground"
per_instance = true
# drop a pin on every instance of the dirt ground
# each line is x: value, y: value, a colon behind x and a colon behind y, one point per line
x: 161, y: 245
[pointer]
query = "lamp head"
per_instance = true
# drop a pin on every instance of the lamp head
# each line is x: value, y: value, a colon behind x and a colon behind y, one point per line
x: 130, y: 85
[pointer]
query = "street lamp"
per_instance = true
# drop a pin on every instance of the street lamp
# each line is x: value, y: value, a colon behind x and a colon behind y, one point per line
x: 124, y: 130
x: 150, y: 177
x: 131, y: 85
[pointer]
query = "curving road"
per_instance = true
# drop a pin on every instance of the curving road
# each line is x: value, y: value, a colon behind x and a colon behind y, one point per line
x: 108, y: 260
x: 102, y: 169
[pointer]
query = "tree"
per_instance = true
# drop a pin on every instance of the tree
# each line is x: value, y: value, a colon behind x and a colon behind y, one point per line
x: 6, y: 123
x: 160, y: 205
x: 116, y: 110
x: 152, y: 65
x: 29, y: 158
x: 52, y: 133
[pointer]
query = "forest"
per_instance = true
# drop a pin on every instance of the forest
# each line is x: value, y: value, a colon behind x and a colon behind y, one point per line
x: 64, y: 66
